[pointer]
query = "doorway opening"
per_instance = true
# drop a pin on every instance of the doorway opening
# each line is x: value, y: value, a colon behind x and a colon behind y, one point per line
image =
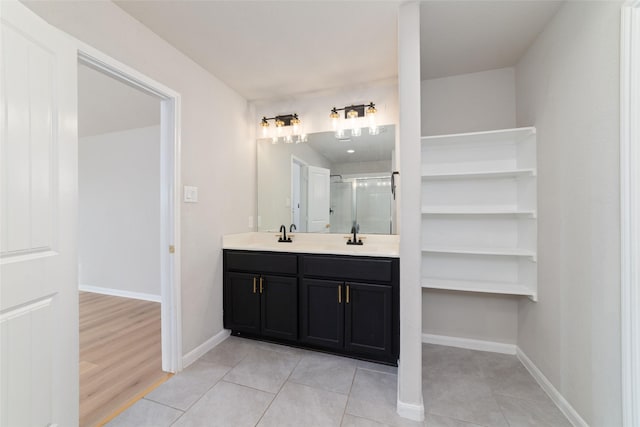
x: 128, y: 160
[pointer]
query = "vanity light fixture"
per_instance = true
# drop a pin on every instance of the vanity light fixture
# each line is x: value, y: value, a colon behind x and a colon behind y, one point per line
x: 287, y: 128
x: 353, y: 115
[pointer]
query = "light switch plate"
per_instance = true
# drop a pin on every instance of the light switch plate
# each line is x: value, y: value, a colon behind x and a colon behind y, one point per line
x: 190, y: 194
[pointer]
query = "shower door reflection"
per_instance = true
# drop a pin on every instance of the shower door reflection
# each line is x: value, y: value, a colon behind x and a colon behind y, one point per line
x: 363, y: 200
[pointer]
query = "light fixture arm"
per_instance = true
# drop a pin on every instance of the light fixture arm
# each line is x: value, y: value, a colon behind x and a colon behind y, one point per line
x: 360, y: 109
x: 286, y: 119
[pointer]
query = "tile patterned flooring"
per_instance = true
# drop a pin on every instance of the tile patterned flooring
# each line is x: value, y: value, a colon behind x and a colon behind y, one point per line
x: 250, y: 383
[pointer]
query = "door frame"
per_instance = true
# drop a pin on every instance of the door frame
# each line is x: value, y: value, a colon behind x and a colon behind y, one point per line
x: 170, y: 248
x: 297, y: 160
x: 630, y: 210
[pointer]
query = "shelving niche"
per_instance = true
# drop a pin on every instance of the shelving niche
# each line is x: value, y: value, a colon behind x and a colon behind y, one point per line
x: 479, y: 219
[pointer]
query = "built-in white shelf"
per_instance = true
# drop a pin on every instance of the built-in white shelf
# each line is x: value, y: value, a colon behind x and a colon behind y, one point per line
x: 477, y: 210
x: 510, y: 136
x: 516, y: 252
x: 477, y: 286
x: 513, y: 173
x: 479, y: 226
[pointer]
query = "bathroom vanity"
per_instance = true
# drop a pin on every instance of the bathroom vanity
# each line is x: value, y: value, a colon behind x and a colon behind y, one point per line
x: 315, y: 292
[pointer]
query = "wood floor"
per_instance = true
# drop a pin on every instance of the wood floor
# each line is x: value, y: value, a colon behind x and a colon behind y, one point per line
x: 120, y: 353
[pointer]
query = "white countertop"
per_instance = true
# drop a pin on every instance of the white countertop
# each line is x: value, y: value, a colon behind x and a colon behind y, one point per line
x: 315, y: 243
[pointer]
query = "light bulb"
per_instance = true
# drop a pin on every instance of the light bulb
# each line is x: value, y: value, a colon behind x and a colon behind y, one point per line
x: 279, y: 126
x: 371, y: 116
x: 335, y: 119
x: 265, y: 127
x: 353, y: 123
x: 295, y: 125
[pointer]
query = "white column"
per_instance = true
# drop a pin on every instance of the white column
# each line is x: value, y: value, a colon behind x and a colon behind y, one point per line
x: 410, y: 403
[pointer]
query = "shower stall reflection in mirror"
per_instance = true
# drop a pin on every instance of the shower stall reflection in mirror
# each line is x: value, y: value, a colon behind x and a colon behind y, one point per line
x: 362, y: 200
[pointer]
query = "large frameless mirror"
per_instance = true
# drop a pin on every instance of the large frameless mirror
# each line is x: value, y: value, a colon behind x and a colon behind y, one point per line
x: 328, y: 184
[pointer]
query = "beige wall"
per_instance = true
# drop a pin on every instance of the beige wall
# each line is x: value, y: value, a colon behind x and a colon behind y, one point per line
x: 218, y: 152
x: 119, y: 211
x: 568, y: 87
x: 470, y: 315
x: 467, y: 103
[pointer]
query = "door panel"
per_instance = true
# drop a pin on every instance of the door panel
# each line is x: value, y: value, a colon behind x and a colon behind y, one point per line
x: 38, y: 203
x: 368, y: 319
x: 279, y: 307
x: 322, y: 313
x: 318, y: 200
x: 243, y: 303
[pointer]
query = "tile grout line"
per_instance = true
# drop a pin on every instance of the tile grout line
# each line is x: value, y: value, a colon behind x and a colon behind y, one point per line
x: 344, y: 412
x: 279, y: 390
x: 209, y: 389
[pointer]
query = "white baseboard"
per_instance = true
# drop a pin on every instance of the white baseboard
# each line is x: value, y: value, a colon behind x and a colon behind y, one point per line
x: 495, y: 347
x: 557, y: 398
x: 120, y: 293
x: 203, y: 348
x: 410, y: 410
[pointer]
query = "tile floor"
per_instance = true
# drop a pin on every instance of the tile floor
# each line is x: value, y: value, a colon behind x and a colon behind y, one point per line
x: 250, y: 383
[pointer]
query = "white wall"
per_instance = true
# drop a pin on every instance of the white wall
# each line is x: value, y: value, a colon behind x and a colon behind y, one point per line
x: 362, y: 168
x: 119, y: 210
x: 410, y: 403
x: 468, y: 103
x: 470, y: 315
x: 568, y: 87
x: 274, y: 180
x: 218, y: 150
x: 109, y: 105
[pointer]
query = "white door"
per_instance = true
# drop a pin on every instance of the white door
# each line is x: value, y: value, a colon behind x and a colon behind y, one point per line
x: 318, y: 200
x: 38, y: 196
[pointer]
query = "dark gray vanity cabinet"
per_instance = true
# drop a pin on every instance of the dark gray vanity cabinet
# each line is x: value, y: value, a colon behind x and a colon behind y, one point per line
x: 261, y: 294
x: 337, y: 303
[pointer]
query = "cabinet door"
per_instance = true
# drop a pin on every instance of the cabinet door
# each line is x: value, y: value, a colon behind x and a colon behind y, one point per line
x: 368, y: 319
x: 279, y: 307
x: 322, y: 313
x: 242, y: 305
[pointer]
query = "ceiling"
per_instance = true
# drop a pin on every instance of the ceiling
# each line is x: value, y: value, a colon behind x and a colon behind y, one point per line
x: 367, y: 148
x: 108, y: 105
x: 460, y: 37
x: 270, y: 49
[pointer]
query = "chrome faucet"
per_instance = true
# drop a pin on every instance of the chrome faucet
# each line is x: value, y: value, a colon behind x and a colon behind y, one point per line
x: 355, y: 240
x: 284, y: 238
